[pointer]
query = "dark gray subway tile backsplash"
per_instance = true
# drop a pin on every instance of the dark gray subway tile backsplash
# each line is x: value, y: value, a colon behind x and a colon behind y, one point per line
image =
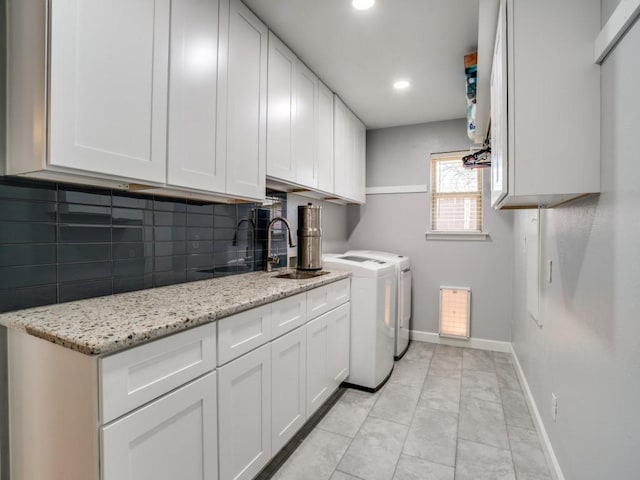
x: 60, y: 243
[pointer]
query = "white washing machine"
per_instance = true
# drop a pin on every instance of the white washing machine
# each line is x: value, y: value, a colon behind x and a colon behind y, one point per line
x: 372, y: 332
x: 402, y: 317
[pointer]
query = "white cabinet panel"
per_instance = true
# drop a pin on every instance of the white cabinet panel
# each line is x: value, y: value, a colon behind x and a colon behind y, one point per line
x: 242, y: 99
x: 240, y: 333
x: 318, y: 385
x: 288, y: 314
x: 304, y: 145
x: 324, y: 138
x: 192, y: 161
x: 172, y: 437
x: 136, y: 376
x: 288, y: 386
x: 339, y: 324
x: 108, y: 91
x: 281, y: 104
x: 244, y: 388
x: 341, y: 155
x: 540, y: 162
x: 349, y: 152
x: 499, y: 112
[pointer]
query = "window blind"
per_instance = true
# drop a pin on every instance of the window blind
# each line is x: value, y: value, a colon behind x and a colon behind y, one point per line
x: 456, y: 195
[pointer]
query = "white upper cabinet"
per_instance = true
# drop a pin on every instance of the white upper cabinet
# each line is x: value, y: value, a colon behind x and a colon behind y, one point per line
x: 292, y: 104
x: 242, y: 99
x: 192, y: 160
x: 304, y: 145
x: 281, y: 104
x: 324, y: 138
x: 349, y: 151
x: 545, y: 129
x: 108, y: 87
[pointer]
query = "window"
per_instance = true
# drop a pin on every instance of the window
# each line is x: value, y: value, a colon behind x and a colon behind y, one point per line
x: 456, y: 195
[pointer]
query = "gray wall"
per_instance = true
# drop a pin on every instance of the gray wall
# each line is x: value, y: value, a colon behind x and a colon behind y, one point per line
x: 334, y: 222
x: 588, y: 351
x: 398, y: 222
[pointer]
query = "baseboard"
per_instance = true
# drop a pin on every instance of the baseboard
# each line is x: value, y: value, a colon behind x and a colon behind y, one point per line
x: 550, y: 455
x: 477, y: 343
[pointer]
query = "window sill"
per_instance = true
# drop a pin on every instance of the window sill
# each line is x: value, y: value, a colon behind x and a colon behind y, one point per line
x: 473, y: 236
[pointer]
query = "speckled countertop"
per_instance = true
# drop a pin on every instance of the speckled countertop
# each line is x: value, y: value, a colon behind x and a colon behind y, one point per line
x: 107, y: 324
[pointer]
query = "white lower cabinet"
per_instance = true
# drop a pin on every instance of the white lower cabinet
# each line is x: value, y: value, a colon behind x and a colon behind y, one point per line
x: 317, y: 351
x: 339, y: 322
x: 288, y: 387
x: 327, y: 355
x: 172, y: 437
x: 244, y: 402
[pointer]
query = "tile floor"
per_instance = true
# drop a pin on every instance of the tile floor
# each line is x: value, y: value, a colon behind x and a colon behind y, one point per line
x: 446, y: 413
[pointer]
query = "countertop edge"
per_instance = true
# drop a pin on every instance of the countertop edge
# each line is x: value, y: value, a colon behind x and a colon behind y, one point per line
x: 135, y: 338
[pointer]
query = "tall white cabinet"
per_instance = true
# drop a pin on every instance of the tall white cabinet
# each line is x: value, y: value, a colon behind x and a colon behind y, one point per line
x: 545, y: 128
x: 350, y: 153
x: 242, y: 99
x: 292, y: 105
x: 324, y: 139
x: 192, y: 97
x: 108, y: 87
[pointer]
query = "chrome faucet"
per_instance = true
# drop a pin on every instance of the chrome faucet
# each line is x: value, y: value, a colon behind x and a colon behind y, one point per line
x: 271, y: 259
x: 251, y: 225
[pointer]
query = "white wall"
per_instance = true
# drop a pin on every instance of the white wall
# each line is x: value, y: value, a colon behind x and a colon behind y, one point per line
x: 398, y: 222
x: 588, y: 351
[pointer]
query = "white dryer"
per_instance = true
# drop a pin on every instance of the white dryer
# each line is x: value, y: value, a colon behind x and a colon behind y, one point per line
x: 402, y: 317
x: 372, y: 333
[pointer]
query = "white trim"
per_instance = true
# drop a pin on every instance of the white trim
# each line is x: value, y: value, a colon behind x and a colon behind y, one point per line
x: 476, y: 343
x: 396, y: 189
x: 620, y: 20
x: 473, y: 236
x: 550, y: 455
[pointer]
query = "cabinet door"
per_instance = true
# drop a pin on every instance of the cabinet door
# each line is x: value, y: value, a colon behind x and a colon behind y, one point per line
x: 499, y: 146
x: 281, y: 104
x: 341, y: 148
x: 192, y: 161
x: 108, y: 91
x: 359, y: 161
x: 324, y: 138
x: 244, y: 410
x: 304, y: 143
x: 242, y: 99
x: 172, y: 437
x: 318, y: 385
x: 288, y: 387
x: 339, y: 328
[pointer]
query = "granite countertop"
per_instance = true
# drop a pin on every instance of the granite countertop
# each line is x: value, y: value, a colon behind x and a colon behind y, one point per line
x: 104, y: 325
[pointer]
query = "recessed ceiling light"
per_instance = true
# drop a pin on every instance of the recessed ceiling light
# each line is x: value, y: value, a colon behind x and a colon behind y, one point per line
x: 401, y: 84
x: 362, y: 4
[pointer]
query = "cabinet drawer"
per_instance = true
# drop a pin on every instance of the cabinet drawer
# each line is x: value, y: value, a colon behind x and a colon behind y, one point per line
x: 241, y: 333
x: 321, y: 300
x: 288, y: 314
x: 136, y: 376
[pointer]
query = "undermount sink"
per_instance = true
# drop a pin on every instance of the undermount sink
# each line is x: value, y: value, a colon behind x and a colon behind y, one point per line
x: 300, y: 275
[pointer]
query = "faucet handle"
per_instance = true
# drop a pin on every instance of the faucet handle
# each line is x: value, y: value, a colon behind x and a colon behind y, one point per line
x: 275, y: 258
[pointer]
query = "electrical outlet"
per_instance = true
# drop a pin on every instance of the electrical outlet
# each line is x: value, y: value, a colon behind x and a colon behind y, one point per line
x: 554, y: 406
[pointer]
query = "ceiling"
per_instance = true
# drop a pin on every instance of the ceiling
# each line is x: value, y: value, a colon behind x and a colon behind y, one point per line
x: 359, y: 54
